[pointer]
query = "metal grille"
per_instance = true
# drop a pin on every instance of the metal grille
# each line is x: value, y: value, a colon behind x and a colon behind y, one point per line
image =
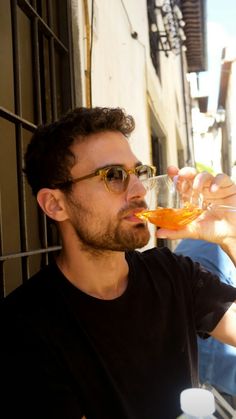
x: 36, y: 86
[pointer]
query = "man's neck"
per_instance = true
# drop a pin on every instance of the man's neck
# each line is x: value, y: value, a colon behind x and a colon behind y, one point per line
x: 102, y: 274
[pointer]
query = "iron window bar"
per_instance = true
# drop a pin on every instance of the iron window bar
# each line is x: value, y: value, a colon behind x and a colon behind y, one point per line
x: 29, y: 253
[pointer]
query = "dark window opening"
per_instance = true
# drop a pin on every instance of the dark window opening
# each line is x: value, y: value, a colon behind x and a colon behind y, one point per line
x: 154, y: 36
x: 158, y: 162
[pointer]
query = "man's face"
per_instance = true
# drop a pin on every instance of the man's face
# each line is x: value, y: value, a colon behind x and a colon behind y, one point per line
x: 104, y: 220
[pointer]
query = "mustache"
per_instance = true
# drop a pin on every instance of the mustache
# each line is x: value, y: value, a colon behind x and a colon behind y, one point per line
x: 131, y: 206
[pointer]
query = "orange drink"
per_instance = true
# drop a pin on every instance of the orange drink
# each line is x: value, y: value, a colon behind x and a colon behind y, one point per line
x: 171, y: 218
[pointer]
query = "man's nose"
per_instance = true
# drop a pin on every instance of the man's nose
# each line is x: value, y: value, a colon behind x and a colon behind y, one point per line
x: 135, y: 188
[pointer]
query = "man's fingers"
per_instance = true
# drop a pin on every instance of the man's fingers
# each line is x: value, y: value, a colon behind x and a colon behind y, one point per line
x: 187, y: 173
x: 172, y: 171
x: 222, y: 181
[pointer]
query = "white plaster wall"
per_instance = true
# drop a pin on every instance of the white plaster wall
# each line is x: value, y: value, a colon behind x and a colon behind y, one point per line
x: 119, y: 68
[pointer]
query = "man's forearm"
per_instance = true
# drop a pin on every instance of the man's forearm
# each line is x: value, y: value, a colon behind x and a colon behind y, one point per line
x: 229, y: 247
x: 225, y: 329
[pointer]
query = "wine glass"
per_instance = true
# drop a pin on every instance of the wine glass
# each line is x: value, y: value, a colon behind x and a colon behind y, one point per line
x: 172, y: 203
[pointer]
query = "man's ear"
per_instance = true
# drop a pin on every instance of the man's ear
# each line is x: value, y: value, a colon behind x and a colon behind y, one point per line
x: 52, y: 203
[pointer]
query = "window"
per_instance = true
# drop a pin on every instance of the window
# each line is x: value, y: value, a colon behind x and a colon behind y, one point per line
x: 36, y: 86
x: 154, y: 37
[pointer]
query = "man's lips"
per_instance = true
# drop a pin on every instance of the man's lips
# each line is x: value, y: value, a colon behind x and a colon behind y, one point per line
x: 132, y: 217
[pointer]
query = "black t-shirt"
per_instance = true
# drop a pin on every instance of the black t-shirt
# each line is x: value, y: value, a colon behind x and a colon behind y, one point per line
x: 67, y: 354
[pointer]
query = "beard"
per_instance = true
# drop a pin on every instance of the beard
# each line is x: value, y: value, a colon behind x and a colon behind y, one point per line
x: 97, y: 234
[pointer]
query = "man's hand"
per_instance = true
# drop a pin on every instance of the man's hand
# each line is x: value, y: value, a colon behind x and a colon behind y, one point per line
x: 217, y: 224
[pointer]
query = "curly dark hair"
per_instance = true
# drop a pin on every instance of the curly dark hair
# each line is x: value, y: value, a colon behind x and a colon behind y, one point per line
x: 48, y: 158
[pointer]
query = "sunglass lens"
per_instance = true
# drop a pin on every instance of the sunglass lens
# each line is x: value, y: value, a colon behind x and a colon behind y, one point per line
x: 116, y: 179
x: 144, y: 172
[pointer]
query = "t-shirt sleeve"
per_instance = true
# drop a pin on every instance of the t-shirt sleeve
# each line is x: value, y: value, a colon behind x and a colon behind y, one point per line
x: 209, y: 296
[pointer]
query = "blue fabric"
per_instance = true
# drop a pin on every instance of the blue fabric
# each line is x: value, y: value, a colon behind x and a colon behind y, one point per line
x: 217, y: 361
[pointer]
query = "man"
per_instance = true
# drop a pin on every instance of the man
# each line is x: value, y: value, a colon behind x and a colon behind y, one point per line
x: 217, y: 361
x: 106, y: 331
